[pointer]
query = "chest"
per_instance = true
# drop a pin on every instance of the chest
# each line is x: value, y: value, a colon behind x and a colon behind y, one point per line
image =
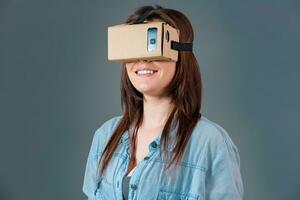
x: 144, y: 138
x: 149, y: 178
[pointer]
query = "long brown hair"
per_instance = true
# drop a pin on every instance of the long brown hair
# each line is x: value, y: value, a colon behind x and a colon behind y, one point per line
x: 185, y: 91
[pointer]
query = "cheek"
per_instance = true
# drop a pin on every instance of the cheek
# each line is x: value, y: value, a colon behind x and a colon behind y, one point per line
x: 128, y: 69
x: 131, y: 75
x: 168, y: 73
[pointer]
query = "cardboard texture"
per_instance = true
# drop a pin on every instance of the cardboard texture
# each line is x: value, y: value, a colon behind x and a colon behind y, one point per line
x: 128, y: 42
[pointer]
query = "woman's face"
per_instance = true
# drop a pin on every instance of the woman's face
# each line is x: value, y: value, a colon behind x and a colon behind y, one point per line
x: 151, y: 77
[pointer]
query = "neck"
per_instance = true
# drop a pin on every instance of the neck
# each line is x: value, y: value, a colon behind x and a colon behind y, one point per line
x: 156, y: 111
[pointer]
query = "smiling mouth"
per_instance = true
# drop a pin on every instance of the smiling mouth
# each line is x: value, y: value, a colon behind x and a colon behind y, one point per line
x: 146, y: 73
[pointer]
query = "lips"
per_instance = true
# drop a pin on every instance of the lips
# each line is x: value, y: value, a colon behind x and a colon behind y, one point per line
x: 145, y: 68
x: 145, y: 74
x: 154, y: 71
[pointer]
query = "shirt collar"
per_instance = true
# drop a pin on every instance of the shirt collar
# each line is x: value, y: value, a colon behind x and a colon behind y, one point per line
x: 170, y: 146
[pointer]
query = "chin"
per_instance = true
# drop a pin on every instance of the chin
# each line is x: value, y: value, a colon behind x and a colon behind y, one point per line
x: 149, y: 92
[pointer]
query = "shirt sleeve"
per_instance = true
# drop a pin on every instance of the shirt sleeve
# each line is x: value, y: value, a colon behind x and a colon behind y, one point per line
x: 90, y: 174
x: 224, y: 179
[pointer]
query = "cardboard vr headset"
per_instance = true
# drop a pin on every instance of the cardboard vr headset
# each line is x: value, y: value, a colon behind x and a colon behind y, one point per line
x: 155, y: 40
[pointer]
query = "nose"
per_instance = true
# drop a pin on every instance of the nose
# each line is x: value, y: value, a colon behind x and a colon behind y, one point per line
x: 142, y: 60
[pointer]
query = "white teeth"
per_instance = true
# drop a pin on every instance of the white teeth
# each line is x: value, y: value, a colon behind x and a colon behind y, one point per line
x: 145, y: 72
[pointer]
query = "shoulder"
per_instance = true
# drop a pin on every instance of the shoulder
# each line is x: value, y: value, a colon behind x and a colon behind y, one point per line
x: 107, y: 126
x: 209, y: 131
x: 213, y: 138
x: 103, y: 132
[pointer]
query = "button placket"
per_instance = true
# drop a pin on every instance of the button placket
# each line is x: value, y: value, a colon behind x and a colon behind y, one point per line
x: 146, y: 158
x: 133, y: 186
x: 154, y: 144
x: 141, y: 166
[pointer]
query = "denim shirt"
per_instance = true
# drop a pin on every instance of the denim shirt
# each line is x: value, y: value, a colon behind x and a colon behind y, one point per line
x: 209, y: 169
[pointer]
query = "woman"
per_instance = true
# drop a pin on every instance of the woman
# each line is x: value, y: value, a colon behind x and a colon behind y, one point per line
x: 162, y: 147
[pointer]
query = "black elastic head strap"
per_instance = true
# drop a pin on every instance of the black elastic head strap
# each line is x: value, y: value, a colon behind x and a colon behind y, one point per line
x: 146, y: 14
x: 179, y: 46
x: 143, y: 17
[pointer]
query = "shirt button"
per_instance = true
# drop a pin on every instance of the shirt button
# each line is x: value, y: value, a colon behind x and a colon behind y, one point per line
x: 133, y: 186
x: 146, y: 158
x: 153, y: 144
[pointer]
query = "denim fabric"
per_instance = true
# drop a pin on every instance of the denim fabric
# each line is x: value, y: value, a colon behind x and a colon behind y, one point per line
x: 209, y: 169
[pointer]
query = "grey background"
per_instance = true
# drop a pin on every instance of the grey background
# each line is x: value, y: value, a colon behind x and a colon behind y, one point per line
x: 57, y: 87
